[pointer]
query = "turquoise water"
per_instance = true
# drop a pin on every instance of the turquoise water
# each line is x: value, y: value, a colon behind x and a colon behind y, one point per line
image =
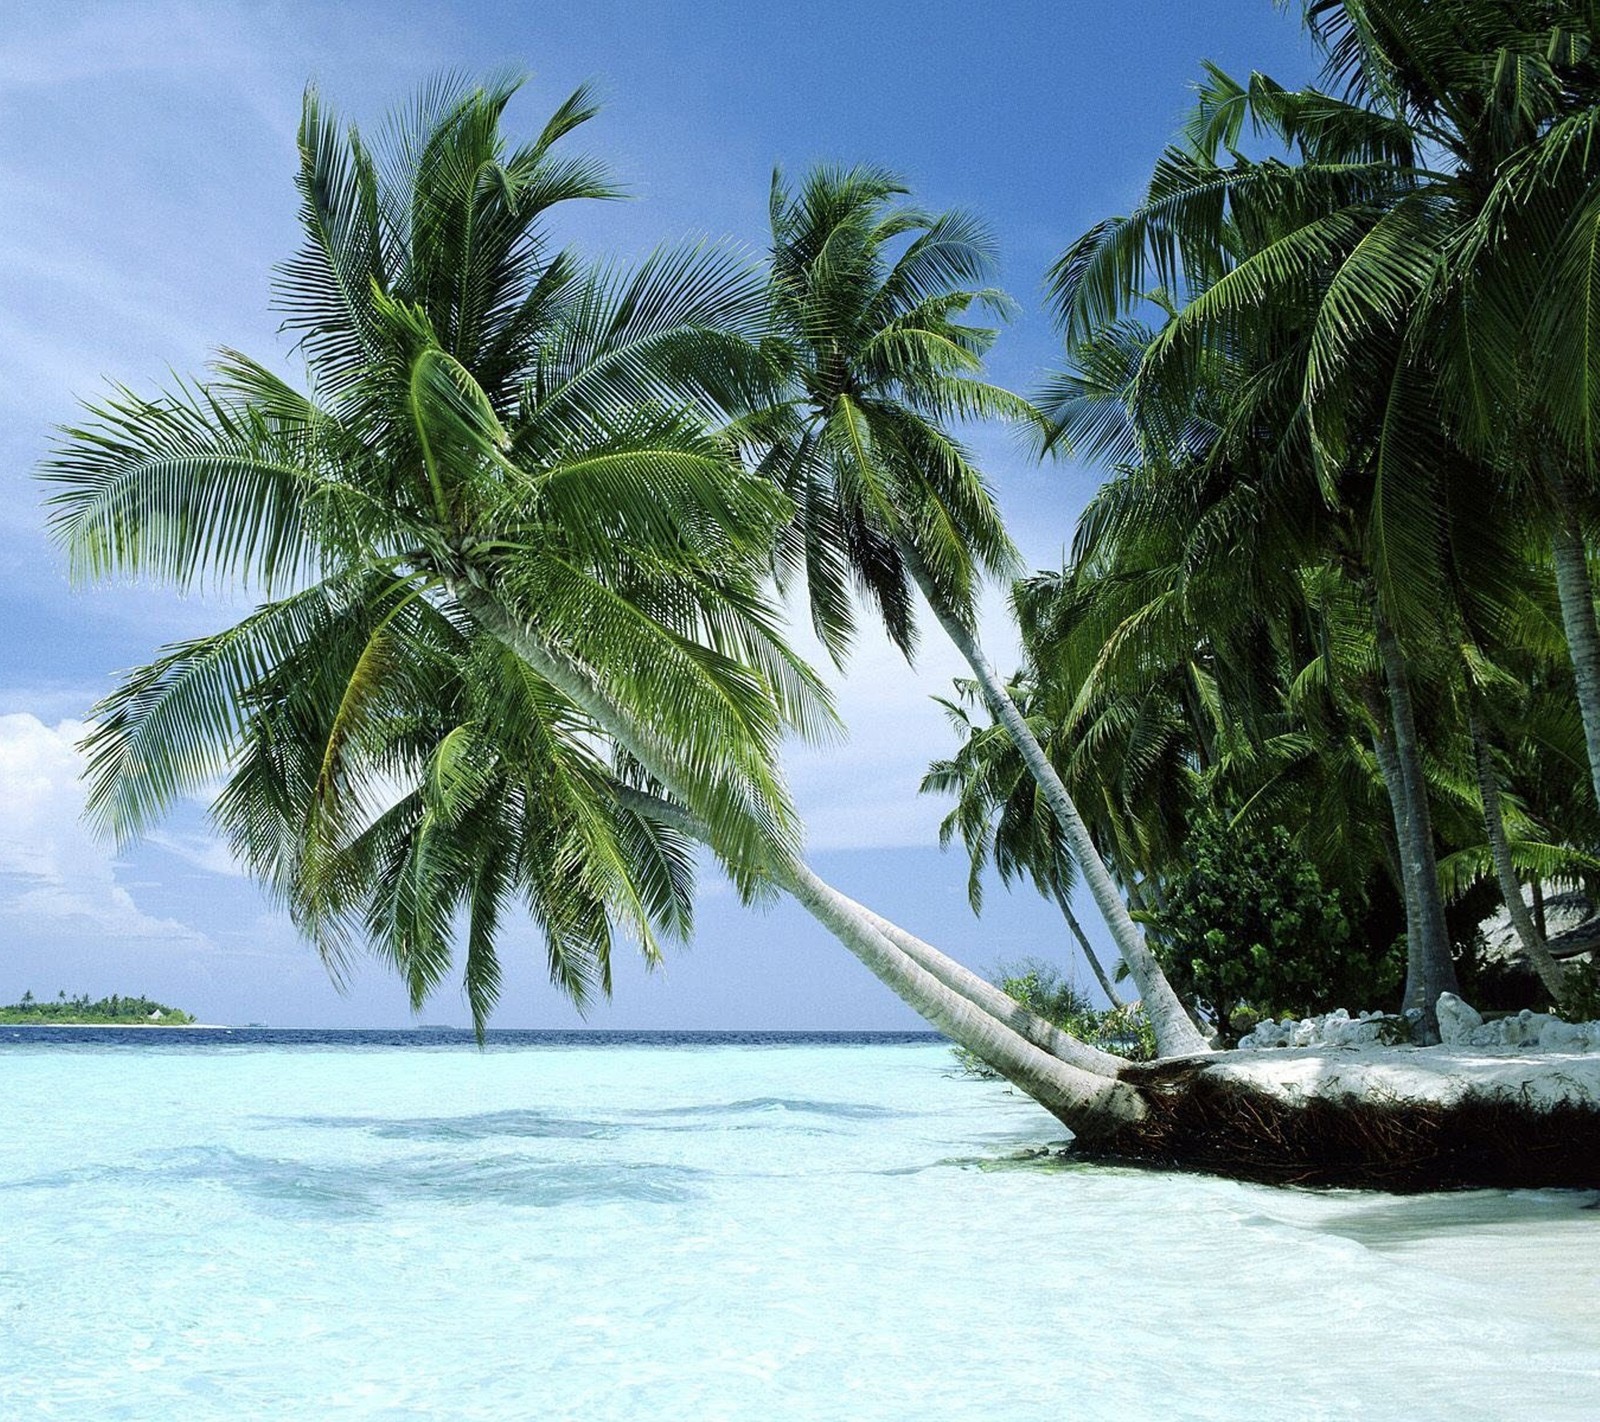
x: 716, y: 1232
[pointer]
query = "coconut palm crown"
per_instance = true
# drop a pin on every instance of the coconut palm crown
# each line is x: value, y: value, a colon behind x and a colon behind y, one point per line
x: 868, y: 296
x: 879, y: 367
x: 497, y: 443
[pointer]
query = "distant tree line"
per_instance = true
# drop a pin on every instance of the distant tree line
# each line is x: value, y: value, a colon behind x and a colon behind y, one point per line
x: 66, y: 1010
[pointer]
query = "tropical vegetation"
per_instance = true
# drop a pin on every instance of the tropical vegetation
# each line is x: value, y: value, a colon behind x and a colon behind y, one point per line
x: 518, y: 645
x: 1322, y: 592
x: 1042, y: 987
x: 64, y: 1011
x: 520, y: 545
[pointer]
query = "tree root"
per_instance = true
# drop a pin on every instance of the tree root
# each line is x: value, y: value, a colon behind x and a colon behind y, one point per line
x: 1203, y: 1123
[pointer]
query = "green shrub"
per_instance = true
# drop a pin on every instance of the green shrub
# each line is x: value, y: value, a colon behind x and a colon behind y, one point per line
x: 1581, y: 1000
x: 1039, y: 986
x: 1250, y: 931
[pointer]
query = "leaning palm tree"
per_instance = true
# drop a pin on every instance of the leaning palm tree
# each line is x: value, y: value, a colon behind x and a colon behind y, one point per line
x: 487, y: 421
x: 517, y: 644
x: 869, y: 297
x: 1001, y: 817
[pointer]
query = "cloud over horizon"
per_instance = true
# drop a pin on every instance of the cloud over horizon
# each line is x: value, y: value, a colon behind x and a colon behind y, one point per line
x: 56, y: 878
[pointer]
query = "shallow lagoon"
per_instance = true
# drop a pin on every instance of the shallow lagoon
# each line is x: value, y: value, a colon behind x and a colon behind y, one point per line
x: 203, y: 1226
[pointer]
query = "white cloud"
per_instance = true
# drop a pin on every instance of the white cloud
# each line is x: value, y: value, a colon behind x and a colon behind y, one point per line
x: 863, y: 794
x: 54, y: 875
x: 200, y: 850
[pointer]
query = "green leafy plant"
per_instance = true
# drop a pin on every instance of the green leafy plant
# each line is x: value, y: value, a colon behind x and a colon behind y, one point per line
x: 1581, y: 1000
x: 1040, y: 987
x: 1250, y: 931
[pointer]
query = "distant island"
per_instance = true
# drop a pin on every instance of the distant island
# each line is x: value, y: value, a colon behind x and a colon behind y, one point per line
x: 111, y: 1011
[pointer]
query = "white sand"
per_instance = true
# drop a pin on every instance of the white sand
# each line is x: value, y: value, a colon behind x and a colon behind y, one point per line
x: 1442, y: 1074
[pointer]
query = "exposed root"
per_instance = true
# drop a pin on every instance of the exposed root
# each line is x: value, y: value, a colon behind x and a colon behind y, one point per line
x: 1226, y: 1127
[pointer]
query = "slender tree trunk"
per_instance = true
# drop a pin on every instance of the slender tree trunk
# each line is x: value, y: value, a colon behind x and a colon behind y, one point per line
x: 1399, y: 806
x: 1428, y: 937
x: 960, y: 979
x: 1000, y: 1005
x: 1175, y: 1034
x: 1533, y: 944
x: 1393, y: 861
x: 1088, y: 1102
x: 1089, y: 955
x: 1576, y: 591
x: 1536, y: 892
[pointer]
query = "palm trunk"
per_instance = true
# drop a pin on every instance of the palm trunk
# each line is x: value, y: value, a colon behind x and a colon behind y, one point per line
x: 1088, y: 1102
x: 1175, y: 1034
x: 959, y: 979
x: 1399, y: 807
x: 1026, y: 1023
x: 983, y: 994
x: 1428, y: 960
x: 1576, y: 592
x: 1089, y: 955
x: 1550, y: 973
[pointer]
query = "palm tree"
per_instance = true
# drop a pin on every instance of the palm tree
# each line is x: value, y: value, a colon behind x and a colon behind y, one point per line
x: 868, y: 296
x: 1448, y: 179
x: 477, y: 401
x: 1001, y: 817
x: 1194, y: 670
x: 1285, y: 287
x: 516, y: 643
x: 1501, y: 99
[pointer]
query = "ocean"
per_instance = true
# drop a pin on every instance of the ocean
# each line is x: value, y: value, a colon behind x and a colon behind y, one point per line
x: 254, y: 1224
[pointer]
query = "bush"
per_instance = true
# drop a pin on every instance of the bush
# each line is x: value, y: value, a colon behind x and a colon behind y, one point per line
x: 1250, y: 931
x: 1581, y: 1000
x: 1040, y: 987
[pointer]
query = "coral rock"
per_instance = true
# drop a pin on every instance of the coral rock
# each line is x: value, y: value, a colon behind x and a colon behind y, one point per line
x: 1457, y: 1020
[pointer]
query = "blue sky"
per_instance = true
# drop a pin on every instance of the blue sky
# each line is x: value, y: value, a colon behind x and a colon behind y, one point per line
x: 146, y: 164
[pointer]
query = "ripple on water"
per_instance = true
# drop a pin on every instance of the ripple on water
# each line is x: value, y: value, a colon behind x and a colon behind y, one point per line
x: 717, y: 1233
x: 835, y: 1110
x: 486, y: 1125
x: 361, y: 1188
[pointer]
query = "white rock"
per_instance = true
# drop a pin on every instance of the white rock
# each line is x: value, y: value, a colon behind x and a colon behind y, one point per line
x: 1459, y: 1025
x: 1456, y: 1019
x: 1558, y: 1036
x: 1523, y: 1030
